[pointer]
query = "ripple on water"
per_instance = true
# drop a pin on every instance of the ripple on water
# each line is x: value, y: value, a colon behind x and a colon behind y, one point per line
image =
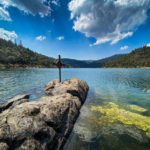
x: 121, y: 86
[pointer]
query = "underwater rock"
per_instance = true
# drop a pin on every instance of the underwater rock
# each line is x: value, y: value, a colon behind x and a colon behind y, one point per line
x: 137, y: 108
x: 95, y: 130
x: 85, y: 128
x: 112, y: 113
x: 43, y: 124
x: 121, y: 137
x: 122, y: 130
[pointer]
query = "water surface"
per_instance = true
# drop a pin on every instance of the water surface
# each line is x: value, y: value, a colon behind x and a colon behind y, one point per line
x: 123, y: 87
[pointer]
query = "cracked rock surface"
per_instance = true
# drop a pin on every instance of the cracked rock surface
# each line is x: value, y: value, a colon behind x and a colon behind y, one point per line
x: 44, y: 124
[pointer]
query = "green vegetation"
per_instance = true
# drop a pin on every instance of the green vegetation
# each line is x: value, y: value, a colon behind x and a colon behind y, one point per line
x: 137, y: 108
x: 137, y: 58
x: 90, y: 63
x: 12, y: 55
x: 113, y: 113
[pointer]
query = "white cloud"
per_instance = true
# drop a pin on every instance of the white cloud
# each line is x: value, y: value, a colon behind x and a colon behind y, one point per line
x: 148, y: 45
x: 108, y: 20
x: 123, y: 48
x: 29, y: 6
x: 40, y: 38
x: 4, y: 14
x: 33, y: 7
x: 55, y: 2
x: 8, y: 35
x: 60, y: 38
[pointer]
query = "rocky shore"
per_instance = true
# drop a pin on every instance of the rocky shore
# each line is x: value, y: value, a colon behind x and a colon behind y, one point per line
x: 44, y: 124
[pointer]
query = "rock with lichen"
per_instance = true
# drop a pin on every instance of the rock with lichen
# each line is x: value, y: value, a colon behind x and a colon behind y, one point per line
x: 46, y: 123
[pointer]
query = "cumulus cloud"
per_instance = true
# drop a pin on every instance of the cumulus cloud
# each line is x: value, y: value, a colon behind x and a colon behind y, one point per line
x: 33, y: 7
x: 108, y: 20
x: 123, y: 48
x: 8, y: 35
x: 60, y: 38
x: 4, y: 14
x: 148, y: 45
x: 40, y: 38
x: 55, y: 2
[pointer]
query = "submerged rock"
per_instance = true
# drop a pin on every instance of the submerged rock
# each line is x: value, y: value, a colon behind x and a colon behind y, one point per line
x: 137, y: 108
x: 46, y: 123
x: 112, y: 113
x: 94, y: 130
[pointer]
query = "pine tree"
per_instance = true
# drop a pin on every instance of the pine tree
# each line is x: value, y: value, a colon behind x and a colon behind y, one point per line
x: 20, y: 44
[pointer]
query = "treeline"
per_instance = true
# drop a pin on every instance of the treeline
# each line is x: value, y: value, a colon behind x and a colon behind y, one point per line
x: 138, y: 58
x: 90, y: 63
x: 13, y: 54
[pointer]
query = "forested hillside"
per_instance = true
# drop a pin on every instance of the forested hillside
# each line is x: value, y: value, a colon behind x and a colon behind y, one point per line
x: 13, y: 55
x: 137, y: 58
x: 90, y: 63
x: 16, y: 55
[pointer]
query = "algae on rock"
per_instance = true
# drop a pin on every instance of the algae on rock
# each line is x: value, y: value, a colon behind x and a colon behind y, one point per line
x: 112, y: 113
x: 137, y: 108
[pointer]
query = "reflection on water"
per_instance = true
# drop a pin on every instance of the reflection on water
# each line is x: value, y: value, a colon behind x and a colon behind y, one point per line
x: 94, y: 130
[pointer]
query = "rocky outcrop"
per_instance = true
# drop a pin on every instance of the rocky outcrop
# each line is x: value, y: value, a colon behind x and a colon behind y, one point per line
x: 73, y: 87
x: 19, y: 99
x: 44, y: 124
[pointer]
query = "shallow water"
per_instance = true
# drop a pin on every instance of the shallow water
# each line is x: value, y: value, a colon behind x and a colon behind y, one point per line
x: 123, y: 87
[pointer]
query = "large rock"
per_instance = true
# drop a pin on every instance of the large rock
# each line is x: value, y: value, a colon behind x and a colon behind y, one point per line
x: 19, y: 99
x: 74, y: 87
x: 44, y: 124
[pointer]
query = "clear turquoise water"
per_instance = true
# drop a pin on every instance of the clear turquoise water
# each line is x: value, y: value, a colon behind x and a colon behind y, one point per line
x: 122, y: 86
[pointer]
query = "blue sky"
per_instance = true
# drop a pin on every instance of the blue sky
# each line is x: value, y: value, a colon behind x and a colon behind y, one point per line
x: 79, y: 29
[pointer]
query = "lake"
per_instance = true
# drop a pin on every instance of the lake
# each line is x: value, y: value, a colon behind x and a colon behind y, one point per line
x: 116, y: 114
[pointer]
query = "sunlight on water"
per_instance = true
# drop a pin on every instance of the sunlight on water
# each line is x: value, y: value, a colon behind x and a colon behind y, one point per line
x: 128, y: 89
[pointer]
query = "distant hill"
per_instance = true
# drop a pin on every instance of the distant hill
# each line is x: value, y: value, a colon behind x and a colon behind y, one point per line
x: 138, y: 58
x: 74, y: 63
x: 90, y: 63
x: 12, y: 55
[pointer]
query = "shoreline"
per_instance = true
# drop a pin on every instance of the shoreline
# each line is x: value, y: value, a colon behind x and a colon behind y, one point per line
x: 11, y: 66
x: 54, y: 67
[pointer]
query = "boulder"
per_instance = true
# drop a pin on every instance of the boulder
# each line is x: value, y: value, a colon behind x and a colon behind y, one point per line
x: 74, y: 87
x: 19, y: 99
x: 44, y: 124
